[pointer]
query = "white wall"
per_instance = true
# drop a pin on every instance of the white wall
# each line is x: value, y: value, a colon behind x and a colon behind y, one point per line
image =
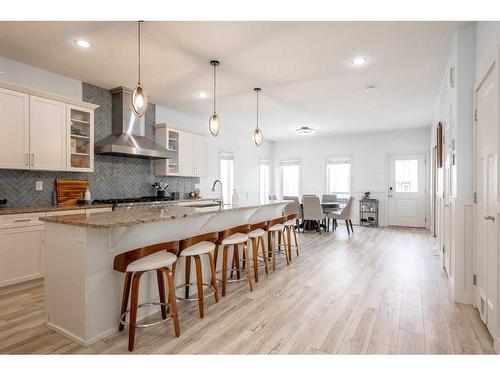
x: 369, y: 154
x: 230, y: 139
x: 30, y: 76
x: 487, y: 46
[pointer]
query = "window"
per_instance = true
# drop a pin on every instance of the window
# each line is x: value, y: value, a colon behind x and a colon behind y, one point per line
x: 338, y: 177
x: 227, y: 176
x: 264, y: 180
x: 406, y: 176
x: 290, y: 177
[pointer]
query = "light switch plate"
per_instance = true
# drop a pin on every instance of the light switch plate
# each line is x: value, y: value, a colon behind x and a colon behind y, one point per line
x: 39, y: 186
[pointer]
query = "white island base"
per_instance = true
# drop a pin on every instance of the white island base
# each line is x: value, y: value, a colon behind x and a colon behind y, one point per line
x: 83, y: 292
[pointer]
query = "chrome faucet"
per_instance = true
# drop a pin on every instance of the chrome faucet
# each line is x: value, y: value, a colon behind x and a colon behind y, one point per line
x: 220, y: 191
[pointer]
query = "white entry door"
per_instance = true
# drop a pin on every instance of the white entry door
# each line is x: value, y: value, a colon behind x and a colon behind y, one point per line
x: 486, y: 259
x: 407, y: 190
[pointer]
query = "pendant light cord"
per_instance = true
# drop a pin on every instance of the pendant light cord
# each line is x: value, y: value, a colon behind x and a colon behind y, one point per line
x: 215, y: 87
x: 257, y: 109
x: 139, y: 49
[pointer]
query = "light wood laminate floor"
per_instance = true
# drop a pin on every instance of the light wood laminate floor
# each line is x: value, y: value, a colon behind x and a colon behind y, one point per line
x: 380, y: 291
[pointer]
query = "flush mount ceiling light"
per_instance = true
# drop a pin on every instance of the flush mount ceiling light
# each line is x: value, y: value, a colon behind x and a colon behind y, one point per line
x: 82, y: 43
x: 369, y: 88
x: 139, y: 96
x: 359, y: 61
x: 214, y: 122
x: 305, y: 130
x: 257, y: 133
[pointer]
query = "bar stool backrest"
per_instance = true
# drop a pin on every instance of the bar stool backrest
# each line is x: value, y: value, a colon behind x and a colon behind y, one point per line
x: 278, y: 220
x: 210, y: 237
x: 261, y: 225
x: 122, y: 260
x: 229, y: 232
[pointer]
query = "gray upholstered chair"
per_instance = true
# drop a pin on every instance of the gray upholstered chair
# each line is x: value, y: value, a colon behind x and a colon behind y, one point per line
x: 329, y: 198
x: 331, y: 209
x: 345, y: 214
x: 313, y: 210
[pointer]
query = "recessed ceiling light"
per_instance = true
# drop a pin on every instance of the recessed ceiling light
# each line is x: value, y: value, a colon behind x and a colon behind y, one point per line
x: 305, y: 130
x: 369, y: 88
x: 359, y: 61
x: 82, y: 43
x: 201, y: 95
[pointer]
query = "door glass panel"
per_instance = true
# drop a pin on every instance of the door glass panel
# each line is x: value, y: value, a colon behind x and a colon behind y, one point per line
x: 406, y: 176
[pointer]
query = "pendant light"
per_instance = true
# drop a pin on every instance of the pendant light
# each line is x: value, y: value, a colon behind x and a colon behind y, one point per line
x: 139, y: 96
x: 257, y: 133
x: 214, y: 122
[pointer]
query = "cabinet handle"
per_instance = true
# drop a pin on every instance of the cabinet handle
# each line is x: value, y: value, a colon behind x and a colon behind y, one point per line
x: 32, y: 160
x: 490, y: 217
x: 27, y: 159
x: 21, y: 220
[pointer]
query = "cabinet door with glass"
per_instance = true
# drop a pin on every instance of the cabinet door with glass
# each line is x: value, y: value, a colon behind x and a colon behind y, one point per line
x: 80, y: 139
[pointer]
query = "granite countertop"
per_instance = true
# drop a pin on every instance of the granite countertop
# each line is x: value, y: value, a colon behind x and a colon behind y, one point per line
x: 49, y: 208
x: 52, y: 208
x: 124, y: 218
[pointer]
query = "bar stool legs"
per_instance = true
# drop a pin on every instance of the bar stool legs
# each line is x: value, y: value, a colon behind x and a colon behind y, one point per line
x: 125, y: 297
x: 171, y: 295
x: 236, y: 261
x: 256, y: 241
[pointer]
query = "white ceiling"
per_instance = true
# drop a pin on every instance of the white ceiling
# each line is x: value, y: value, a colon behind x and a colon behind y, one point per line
x: 303, y: 68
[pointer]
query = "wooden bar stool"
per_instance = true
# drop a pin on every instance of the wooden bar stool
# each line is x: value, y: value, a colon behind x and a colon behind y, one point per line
x: 235, y: 237
x: 256, y: 235
x: 194, y: 247
x: 137, y: 262
x: 274, y: 227
x: 290, y: 226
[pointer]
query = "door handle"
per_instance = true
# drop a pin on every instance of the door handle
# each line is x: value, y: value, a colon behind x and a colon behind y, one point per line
x: 490, y: 217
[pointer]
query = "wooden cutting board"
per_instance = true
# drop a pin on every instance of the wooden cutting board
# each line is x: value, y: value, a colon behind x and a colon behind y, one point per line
x: 69, y: 191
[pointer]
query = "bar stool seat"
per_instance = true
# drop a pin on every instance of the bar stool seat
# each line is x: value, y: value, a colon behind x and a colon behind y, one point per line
x: 256, y: 233
x: 152, y: 262
x: 200, y: 248
x: 289, y: 223
x: 234, y: 239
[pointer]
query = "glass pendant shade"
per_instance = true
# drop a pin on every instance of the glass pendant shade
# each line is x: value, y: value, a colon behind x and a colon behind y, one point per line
x: 214, y: 124
x: 257, y: 137
x: 139, y: 101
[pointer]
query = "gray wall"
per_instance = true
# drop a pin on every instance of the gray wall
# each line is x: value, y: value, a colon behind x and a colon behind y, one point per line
x: 113, y: 176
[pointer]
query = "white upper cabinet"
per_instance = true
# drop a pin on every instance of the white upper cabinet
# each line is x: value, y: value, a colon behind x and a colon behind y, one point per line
x: 190, y: 149
x: 14, y: 129
x: 43, y: 131
x: 48, y: 140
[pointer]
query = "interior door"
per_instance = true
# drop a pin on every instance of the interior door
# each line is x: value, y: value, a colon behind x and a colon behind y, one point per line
x: 447, y: 194
x: 486, y: 260
x: 407, y: 190
x: 47, y: 134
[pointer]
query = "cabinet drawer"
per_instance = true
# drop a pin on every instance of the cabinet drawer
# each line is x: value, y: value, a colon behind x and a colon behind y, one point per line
x: 96, y: 210
x: 19, y: 220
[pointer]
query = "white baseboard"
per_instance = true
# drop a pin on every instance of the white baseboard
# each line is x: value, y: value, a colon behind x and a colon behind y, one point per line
x: 78, y: 339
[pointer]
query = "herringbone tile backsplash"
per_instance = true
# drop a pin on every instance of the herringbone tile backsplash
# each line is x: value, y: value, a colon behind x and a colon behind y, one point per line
x: 113, y: 176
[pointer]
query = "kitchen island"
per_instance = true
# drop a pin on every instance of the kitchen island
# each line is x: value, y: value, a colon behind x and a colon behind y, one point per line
x: 83, y: 292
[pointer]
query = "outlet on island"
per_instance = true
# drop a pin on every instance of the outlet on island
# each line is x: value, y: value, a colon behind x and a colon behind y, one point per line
x: 39, y: 185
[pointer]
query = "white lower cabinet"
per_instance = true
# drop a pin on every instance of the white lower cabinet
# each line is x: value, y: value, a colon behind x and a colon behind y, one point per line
x: 21, y: 250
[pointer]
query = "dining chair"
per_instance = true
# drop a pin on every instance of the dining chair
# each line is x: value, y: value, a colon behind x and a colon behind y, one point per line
x: 328, y: 210
x: 295, y: 208
x: 313, y: 210
x: 345, y: 214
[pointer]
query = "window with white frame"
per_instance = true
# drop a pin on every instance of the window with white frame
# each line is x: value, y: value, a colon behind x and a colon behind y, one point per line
x: 264, y: 179
x: 338, y: 177
x: 227, y: 176
x: 290, y: 177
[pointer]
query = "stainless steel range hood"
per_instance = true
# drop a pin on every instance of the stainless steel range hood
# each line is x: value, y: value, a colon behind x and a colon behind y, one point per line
x: 127, y: 138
